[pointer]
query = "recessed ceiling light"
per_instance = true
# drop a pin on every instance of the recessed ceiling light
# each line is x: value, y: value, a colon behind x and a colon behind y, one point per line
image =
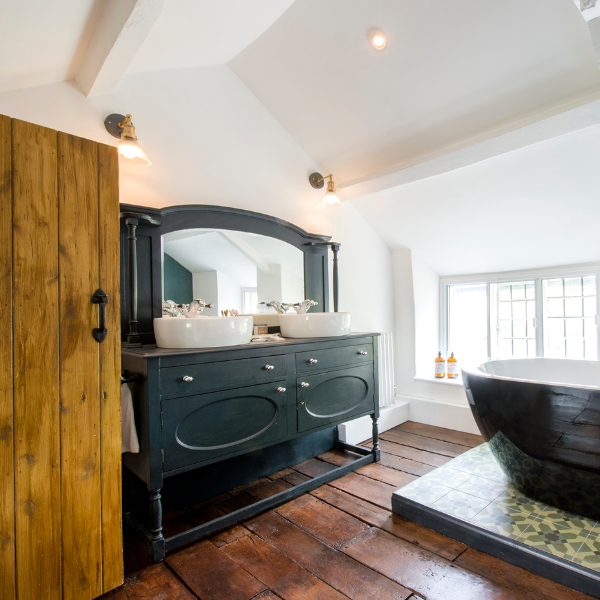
x: 377, y: 39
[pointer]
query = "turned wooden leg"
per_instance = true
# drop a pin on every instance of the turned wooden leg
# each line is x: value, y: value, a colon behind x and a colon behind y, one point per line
x: 376, y: 452
x: 157, y: 540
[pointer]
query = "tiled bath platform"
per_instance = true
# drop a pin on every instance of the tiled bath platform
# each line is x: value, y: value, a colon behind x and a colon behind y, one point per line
x: 471, y: 500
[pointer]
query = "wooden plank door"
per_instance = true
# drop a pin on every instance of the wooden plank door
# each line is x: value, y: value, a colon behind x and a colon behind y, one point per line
x: 66, y: 470
x: 7, y: 462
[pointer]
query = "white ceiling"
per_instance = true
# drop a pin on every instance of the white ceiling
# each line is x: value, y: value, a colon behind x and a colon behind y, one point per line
x: 192, y: 33
x: 43, y: 42
x: 531, y: 208
x: 452, y: 70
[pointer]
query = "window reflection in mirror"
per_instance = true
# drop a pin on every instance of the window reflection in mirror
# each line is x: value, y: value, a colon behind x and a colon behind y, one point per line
x: 232, y: 270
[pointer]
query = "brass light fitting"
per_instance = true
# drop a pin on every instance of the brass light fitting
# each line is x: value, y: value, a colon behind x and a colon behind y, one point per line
x: 331, y: 198
x: 130, y: 152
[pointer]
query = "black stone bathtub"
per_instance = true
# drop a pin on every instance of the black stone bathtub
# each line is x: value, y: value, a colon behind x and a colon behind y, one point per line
x: 541, y: 417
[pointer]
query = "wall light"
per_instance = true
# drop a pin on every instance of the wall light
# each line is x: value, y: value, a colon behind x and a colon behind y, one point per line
x: 377, y: 39
x: 331, y: 198
x: 130, y: 152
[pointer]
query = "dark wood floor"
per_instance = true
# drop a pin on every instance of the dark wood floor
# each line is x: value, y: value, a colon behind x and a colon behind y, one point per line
x: 339, y: 541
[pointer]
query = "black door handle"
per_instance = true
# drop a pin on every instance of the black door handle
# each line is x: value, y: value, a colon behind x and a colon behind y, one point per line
x: 101, y: 332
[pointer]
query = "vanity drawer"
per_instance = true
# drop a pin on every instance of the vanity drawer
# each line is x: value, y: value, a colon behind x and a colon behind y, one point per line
x: 221, y: 375
x: 204, y: 427
x: 318, y: 360
x: 334, y: 397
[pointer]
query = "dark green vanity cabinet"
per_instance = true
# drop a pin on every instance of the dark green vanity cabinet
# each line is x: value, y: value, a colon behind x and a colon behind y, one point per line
x: 198, y: 407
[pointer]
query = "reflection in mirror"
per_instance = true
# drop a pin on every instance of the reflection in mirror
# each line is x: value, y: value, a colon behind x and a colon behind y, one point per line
x: 231, y: 270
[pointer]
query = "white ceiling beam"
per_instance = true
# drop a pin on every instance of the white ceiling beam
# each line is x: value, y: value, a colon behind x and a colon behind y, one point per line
x: 590, y: 9
x: 561, y: 121
x: 121, y: 30
x: 247, y: 250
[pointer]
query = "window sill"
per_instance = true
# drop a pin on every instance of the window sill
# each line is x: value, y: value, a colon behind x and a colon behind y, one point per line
x: 443, y: 381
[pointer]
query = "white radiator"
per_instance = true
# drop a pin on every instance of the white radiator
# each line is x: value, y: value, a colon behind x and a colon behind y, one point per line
x: 387, y: 390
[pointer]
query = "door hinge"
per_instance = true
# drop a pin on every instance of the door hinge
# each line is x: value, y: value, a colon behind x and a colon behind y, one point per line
x: 163, y: 454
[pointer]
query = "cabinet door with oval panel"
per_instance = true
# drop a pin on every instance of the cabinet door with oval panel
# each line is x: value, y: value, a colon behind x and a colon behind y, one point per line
x: 202, y: 428
x: 334, y: 397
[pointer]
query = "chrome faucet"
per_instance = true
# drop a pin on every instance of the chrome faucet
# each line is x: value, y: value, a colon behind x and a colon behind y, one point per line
x: 170, y: 309
x: 280, y: 307
x: 195, y: 308
x: 303, y: 307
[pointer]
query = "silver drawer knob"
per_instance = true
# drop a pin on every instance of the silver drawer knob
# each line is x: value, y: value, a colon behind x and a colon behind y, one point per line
x: 313, y: 361
x: 304, y: 384
x: 269, y: 367
x: 362, y: 353
x: 281, y: 390
x: 187, y: 378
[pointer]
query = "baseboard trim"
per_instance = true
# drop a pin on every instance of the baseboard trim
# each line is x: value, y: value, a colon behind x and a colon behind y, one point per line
x: 359, y: 430
x: 441, y: 414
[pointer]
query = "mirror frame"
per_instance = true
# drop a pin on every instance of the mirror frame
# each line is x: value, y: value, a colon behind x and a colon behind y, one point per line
x: 141, y: 278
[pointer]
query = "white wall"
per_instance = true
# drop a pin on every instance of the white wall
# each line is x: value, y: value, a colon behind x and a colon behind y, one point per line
x: 441, y: 404
x: 212, y: 142
x: 268, y: 285
x: 205, y: 286
x: 426, y: 288
x: 230, y: 293
x: 366, y: 288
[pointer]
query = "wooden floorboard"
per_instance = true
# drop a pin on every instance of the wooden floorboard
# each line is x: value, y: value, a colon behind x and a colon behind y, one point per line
x: 388, y: 521
x: 424, y: 443
x: 440, y: 433
x: 325, y: 522
x: 212, y: 575
x: 346, y: 575
x: 339, y: 541
x: 405, y: 464
x: 415, y: 454
x: 431, y: 576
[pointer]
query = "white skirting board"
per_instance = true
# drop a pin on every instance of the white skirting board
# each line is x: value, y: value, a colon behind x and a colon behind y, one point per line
x: 440, y: 414
x: 359, y: 430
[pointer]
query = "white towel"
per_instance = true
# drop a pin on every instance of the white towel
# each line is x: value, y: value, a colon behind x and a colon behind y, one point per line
x: 129, y: 438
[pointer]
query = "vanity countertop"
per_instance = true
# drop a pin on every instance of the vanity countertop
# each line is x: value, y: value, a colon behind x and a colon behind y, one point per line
x: 152, y: 351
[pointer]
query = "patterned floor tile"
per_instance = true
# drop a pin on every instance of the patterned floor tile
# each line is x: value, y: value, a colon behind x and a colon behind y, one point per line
x: 562, y: 517
x: 447, y: 476
x: 487, y: 489
x: 515, y: 501
x: 423, y: 491
x: 460, y: 505
x: 554, y: 539
x: 589, y: 554
x: 503, y: 520
x: 479, y: 463
x: 473, y: 487
x: 595, y: 533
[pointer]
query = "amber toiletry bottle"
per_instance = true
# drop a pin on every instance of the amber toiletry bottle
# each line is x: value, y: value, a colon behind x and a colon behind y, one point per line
x: 440, y: 366
x: 452, y: 367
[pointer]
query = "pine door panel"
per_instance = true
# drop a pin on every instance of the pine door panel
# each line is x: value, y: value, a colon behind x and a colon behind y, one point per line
x: 35, y: 354
x: 79, y: 368
x: 110, y: 369
x: 7, y: 472
x: 60, y: 422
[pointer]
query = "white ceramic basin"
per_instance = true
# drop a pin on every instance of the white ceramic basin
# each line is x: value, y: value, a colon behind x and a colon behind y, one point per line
x: 313, y: 325
x: 202, y: 332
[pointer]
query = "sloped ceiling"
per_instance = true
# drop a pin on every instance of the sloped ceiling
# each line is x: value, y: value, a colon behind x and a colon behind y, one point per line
x: 534, y: 207
x: 192, y: 33
x: 452, y: 70
x: 43, y: 42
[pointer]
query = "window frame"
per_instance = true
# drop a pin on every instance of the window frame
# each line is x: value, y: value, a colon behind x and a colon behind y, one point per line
x: 536, y: 275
